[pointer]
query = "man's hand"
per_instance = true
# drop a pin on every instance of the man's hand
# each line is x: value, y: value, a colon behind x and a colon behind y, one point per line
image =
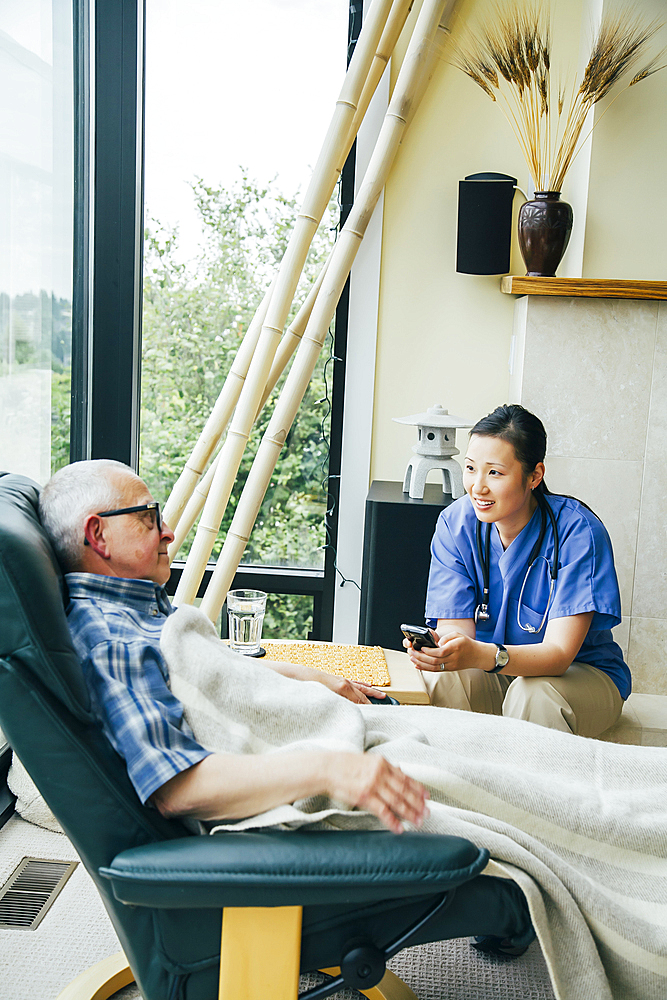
x: 352, y: 690
x: 372, y: 783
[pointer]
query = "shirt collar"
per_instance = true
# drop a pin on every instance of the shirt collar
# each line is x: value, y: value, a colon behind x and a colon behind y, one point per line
x: 142, y: 595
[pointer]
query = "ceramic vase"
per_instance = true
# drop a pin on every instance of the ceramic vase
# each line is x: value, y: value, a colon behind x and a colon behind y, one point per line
x: 545, y: 224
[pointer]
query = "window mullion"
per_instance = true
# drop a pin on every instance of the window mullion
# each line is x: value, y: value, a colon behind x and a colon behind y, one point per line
x: 117, y: 230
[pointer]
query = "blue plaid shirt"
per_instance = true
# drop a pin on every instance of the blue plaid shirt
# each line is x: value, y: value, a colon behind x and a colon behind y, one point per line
x: 116, y: 625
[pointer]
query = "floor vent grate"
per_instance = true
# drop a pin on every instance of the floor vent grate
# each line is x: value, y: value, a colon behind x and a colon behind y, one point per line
x: 30, y: 891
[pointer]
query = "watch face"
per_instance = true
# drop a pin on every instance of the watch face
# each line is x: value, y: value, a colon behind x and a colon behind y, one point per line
x: 502, y: 657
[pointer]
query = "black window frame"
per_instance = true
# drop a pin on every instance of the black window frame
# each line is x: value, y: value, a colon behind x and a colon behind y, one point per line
x: 109, y: 46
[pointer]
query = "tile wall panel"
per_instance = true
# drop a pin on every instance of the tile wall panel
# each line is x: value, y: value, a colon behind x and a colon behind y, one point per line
x: 595, y: 370
x: 587, y: 373
x: 650, y: 594
x: 647, y: 655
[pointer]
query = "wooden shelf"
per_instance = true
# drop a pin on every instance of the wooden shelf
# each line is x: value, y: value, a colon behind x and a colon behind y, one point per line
x: 596, y: 288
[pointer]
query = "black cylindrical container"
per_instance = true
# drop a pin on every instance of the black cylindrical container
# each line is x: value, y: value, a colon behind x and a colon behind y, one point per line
x: 485, y: 223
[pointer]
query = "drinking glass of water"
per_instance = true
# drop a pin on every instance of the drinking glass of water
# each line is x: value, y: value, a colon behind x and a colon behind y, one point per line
x: 245, y: 615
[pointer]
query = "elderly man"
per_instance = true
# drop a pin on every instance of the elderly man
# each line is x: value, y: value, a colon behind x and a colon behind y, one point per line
x: 110, y: 540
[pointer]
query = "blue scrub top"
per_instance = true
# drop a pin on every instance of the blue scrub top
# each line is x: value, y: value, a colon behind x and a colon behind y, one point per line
x: 586, y: 580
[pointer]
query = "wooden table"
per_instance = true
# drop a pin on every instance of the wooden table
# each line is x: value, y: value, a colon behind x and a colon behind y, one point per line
x: 407, y: 684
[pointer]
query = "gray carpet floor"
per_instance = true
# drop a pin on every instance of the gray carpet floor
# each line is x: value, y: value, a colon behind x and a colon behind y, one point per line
x: 76, y: 933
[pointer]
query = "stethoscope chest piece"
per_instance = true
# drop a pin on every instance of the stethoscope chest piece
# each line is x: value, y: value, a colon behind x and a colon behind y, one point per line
x: 482, y: 615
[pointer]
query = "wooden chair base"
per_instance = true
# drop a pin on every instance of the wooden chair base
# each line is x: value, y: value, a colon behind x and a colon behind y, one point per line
x: 267, y: 970
x: 100, y: 981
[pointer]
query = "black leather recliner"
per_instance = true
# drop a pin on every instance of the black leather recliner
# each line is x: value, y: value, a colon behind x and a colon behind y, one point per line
x: 323, y: 899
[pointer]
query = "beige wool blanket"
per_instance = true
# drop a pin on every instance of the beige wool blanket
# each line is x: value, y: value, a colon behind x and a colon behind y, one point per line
x: 581, y: 825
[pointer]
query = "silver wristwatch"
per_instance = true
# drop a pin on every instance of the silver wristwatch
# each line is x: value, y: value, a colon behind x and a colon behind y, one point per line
x: 502, y: 658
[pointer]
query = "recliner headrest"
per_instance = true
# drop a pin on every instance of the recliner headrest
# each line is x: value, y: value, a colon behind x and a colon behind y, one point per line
x: 33, y: 627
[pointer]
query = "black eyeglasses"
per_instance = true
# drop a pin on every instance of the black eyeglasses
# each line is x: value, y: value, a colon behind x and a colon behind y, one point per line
x: 154, y: 507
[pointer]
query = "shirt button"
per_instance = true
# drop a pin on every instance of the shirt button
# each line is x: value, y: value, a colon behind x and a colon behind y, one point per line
x: 154, y: 612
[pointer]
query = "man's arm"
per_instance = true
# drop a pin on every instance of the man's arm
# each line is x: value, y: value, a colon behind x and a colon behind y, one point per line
x: 355, y: 691
x: 227, y: 786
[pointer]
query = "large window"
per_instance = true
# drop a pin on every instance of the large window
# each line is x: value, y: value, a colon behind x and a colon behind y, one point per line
x: 238, y: 99
x: 36, y: 118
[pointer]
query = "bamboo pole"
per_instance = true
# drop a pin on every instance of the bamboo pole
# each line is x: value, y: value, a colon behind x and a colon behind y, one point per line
x: 317, y: 198
x: 192, y: 510
x: 217, y: 421
x: 393, y: 28
x: 195, y: 504
x: 293, y: 335
x: 410, y: 84
x: 221, y: 414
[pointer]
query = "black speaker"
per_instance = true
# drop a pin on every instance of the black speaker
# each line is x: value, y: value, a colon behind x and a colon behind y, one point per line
x: 485, y: 223
x: 397, y: 540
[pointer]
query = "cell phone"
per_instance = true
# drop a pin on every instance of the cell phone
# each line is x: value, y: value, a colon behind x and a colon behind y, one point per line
x: 419, y: 636
x: 387, y: 700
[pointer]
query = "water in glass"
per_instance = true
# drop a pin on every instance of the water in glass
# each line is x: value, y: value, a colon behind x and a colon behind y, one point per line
x: 245, y: 616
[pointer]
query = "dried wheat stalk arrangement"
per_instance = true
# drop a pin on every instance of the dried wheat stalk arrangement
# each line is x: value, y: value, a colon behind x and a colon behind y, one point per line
x: 511, y: 60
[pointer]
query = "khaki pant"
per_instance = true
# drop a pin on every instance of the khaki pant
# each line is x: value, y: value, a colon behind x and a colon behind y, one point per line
x: 584, y: 700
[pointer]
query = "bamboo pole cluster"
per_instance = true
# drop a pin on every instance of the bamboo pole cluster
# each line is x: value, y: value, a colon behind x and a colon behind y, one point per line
x: 337, y: 143
x: 511, y: 61
x: 410, y: 83
x: 184, y: 506
x: 393, y: 19
x: 265, y: 352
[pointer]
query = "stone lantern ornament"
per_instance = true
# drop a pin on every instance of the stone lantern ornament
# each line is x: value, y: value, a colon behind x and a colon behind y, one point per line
x: 434, y: 450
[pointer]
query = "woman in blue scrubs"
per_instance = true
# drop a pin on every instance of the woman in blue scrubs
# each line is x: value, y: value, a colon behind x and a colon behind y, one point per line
x: 550, y: 662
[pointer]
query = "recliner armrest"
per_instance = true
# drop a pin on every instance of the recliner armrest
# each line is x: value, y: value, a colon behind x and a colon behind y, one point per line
x: 291, y: 868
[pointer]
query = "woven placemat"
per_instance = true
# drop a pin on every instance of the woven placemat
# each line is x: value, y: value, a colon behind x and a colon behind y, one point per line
x: 358, y: 663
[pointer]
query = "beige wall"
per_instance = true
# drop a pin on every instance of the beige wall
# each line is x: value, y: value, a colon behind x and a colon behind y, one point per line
x: 445, y: 337
x: 627, y: 198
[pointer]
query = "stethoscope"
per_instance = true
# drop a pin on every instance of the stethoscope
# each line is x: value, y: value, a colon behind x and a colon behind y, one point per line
x: 482, y: 610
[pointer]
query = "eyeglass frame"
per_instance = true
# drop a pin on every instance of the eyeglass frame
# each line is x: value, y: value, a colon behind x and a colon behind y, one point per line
x: 154, y: 505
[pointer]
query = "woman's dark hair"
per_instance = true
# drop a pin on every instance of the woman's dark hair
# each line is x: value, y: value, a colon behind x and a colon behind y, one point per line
x: 523, y: 430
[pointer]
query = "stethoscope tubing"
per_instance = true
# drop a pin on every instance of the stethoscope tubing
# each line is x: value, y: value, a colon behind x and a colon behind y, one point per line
x: 482, y: 609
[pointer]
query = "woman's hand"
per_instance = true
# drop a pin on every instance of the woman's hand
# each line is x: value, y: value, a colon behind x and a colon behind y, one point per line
x: 455, y: 651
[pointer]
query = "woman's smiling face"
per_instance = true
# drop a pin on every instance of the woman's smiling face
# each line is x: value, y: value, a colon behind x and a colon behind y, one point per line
x: 498, y: 487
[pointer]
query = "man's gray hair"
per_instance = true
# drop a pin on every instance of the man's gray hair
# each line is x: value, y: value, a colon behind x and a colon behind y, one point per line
x: 70, y: 495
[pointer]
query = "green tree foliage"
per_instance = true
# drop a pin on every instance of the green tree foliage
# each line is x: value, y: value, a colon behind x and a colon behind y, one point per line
x: 194, y: 319
x: 61, y: 405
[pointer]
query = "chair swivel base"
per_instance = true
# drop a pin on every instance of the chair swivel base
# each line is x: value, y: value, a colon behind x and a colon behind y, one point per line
x: 103, y: 980
x: 100, y: 981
